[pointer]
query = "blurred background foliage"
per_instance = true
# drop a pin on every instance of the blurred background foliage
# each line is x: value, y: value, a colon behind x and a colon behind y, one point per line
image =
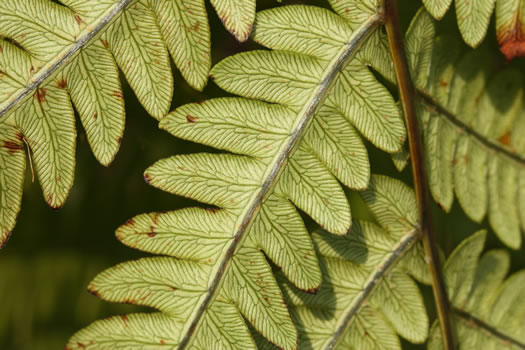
x: 53, y: 254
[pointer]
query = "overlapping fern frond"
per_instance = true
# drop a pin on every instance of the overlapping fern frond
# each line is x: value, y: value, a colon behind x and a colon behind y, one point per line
x: 488, y: 307
x: 367, y: 297
x: 473, y: 117
x: 53, y: 54
x: 474, y: 17
x: 290, y: 137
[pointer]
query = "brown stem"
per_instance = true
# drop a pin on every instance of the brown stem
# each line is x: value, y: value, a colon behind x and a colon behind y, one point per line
x: 407, y: 96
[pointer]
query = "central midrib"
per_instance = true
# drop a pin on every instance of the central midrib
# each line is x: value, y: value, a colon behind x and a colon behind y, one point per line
x: 277, y: 165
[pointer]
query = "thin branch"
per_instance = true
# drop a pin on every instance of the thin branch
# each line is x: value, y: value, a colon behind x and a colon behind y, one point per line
x: 408, y: 98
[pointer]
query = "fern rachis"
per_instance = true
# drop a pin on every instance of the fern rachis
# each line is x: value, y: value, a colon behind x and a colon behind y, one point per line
x: 290, y: 139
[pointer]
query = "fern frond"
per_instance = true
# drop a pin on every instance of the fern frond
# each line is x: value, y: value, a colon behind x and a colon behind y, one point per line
x: 474, y: 17
x: 51, y: 55
x: 366, y: 298
x: 488, y: 309
x: 473, y: 120
x: 289, y: 137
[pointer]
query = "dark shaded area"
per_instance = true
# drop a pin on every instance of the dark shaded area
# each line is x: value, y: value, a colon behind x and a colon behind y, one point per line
x: 53, y: 254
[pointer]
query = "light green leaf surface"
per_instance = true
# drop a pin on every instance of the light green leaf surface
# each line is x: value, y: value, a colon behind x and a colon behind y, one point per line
x: 366, y: 298
x: 237, y: 15
x: 73, y: 52
x: 488, y: 310
x: 13, y: 160
x: 185, y: 29
x: 290, y: 136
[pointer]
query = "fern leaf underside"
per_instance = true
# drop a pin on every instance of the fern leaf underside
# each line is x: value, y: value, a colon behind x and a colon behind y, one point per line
x: 489, y: 309
x: 52, y: 55
x: 367, y: 298
x: 301, y: 105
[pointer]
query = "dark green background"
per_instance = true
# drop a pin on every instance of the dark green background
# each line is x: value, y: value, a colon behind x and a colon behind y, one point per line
x: 53, y: 254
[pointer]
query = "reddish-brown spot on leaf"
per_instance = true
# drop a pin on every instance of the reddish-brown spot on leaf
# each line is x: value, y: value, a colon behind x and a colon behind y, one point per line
x: 162, y: 341
x: 213, y: 210
x: 95, y: 115
x: 1, y: 49
x: 80, y: 345
x: 118, y: 94
x: 147, y: 178
x: 443, y: 83
x: 155, y: 218
x: 12, y: 147
x: 130, y: 222
x: 105, y: 43
x: 505, y: 139
x: 40, y: 95
x: 125, y: 320
x: 91, y: 290
x: 61, y: 83
x: 191, y: 119
x: 512, y: 40
x: 50, y: 200
x: 151, y: 234
x: 78, y: 19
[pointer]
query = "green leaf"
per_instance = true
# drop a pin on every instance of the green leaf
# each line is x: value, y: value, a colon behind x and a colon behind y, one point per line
x: 56, y: 52
x: 366, y: 298
x: 237, y: 15
x: 290, y: 136
x: 472, y: 125
x: 488, y: 310
x: 13, y: 160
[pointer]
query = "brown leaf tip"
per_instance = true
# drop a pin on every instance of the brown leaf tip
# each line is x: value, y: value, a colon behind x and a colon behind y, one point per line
x: 91, y: 290
x: 512, y: 49
x: 147, y: 178
x: 4, y: 240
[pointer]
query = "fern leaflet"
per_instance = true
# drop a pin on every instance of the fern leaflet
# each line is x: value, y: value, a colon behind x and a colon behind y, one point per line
x: 367, y: 297
x: 489, y: 310
x: 474, y: 17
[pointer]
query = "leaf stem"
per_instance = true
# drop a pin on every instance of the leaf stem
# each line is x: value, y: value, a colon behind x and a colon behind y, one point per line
x: 408, y: 97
